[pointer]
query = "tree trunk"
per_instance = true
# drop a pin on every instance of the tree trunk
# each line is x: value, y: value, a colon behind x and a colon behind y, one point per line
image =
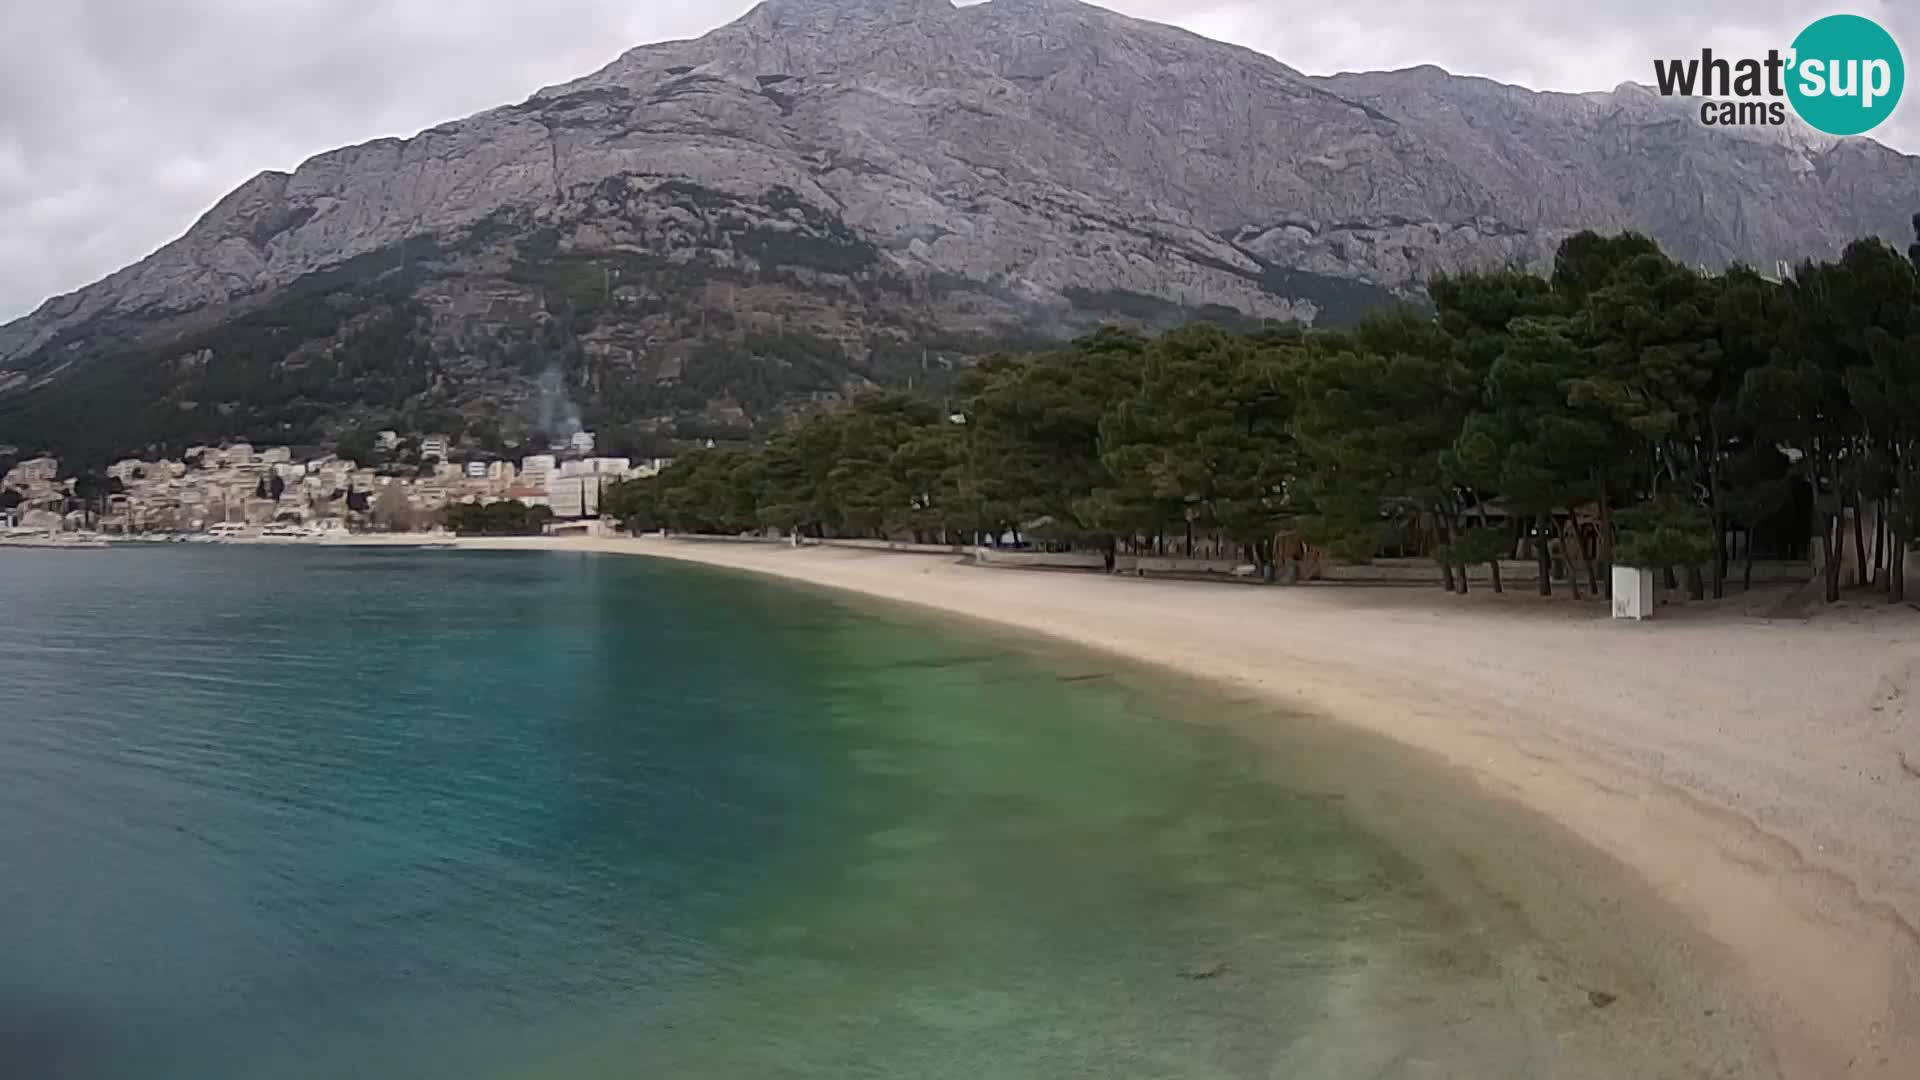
x: 1899, y: 579
x: 1453, y: 536
x: 1696, y: 584
x: 1603, y: 544
x: 1668, y: 581
x: 1835, y: 531
x: 1570, y: 545
x: 1440, y: 541
x: 1747, y: 578
x: 1719, y: 517
x: 1897, y: 571
x: 1721, y: 533
x: 1592, y: 562
x: 1823, y: 529
x: 1859, y: 543
x: 1881, y: 577
x: 1830, y: 539
x: 1498, y: 585
x: 1544, y: 526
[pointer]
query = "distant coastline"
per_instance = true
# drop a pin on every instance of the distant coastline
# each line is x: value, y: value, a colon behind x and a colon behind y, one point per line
x: 1710, y: 754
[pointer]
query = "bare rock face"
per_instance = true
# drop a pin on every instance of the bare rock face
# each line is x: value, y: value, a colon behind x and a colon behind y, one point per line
x: 1030, y: 162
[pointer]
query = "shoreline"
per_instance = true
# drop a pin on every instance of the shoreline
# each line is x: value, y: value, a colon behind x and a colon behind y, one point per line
x: 1748, y: 772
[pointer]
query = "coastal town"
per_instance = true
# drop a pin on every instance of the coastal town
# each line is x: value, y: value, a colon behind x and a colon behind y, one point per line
x: 238, y: 489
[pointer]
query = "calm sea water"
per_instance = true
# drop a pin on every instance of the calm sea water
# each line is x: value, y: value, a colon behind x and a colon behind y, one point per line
x: 287, y: 814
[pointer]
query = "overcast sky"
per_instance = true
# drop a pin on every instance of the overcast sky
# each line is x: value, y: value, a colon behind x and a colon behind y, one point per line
x: 121, y: 121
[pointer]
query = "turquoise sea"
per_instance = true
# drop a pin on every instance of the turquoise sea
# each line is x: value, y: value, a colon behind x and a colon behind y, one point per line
x: 287, y: 814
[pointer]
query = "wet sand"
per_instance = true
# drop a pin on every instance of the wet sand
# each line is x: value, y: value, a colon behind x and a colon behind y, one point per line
x: 1756, y: 776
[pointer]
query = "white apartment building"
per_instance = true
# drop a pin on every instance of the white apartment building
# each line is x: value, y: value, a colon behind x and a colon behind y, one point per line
x: 536, y: 469
x: 28, y: 475
x: 582, y: 442
x: 434, y: 446
x: 575, y: 496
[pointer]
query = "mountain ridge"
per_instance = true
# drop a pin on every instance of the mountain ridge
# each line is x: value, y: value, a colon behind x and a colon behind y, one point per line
x: 918, y: 168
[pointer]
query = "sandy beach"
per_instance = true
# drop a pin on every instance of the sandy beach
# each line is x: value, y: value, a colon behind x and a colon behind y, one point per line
x: 1758, y: 775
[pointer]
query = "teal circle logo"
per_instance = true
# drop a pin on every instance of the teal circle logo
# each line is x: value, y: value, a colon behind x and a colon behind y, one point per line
x: 1846, y: 75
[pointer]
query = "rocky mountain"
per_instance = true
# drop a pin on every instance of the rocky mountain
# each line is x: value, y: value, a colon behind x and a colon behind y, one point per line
x: 833, y: 193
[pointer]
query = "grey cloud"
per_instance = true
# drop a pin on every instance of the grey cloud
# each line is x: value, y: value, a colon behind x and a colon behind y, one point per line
x: 1544, y: 44
x: 121, y: 121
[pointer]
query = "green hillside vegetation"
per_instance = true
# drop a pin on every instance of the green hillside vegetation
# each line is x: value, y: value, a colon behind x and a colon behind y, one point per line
x: 338, y: 352
x: 336, y: 344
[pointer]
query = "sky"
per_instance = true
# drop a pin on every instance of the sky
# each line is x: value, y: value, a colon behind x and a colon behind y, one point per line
x: 122, y: 121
